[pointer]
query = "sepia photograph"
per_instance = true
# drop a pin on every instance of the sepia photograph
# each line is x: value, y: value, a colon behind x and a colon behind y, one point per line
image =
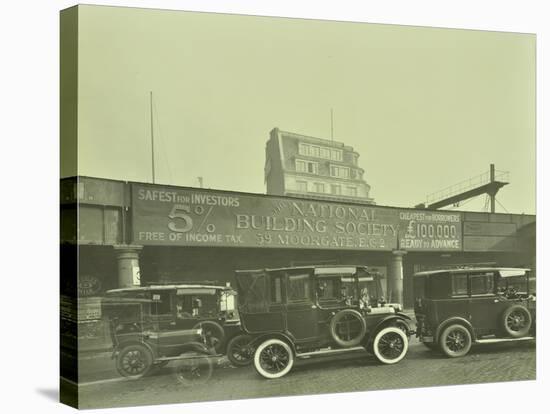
x: 256, y: 206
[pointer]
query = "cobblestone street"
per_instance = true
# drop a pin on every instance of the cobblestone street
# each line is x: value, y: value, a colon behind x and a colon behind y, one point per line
x: 358, y: 372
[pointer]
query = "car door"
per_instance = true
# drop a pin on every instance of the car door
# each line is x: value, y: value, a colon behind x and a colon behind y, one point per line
x: 168, y: 336
x: 301, y: 311
x: 486, y: 307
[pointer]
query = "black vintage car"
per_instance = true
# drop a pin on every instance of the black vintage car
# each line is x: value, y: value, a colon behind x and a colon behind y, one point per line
x: 155, y: 324
x: 302, y: 312
x: 457, y: 308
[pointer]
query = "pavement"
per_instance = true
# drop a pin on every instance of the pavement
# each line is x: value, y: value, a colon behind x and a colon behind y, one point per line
x: 344, y: 373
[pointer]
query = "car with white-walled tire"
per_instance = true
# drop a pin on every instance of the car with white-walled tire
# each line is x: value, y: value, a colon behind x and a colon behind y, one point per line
x: 456, y: 309
x: 295, y: 313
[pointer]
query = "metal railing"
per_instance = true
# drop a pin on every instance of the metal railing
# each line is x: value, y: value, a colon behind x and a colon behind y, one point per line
x: 466, y: 185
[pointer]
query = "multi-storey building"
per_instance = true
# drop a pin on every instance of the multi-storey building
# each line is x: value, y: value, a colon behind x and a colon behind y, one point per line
x: 299, y: 165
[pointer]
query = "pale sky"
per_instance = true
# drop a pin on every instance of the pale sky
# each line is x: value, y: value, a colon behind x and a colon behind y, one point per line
x: 424, y: 107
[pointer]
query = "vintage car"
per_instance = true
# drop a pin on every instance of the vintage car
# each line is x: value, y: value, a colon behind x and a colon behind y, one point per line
x: 302, y: 312
x: 460, y: 307
x: 152, y: 325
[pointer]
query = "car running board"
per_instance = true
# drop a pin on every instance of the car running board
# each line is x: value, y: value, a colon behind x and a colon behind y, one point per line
x: 496, y: 340
x: 305, y: 355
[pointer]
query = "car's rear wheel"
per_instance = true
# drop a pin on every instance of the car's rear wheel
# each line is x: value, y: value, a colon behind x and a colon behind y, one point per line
x: 348, y: 327
x: 195, y: 370
x: 455, y: 341
x: 517, y: 321
x: 390, y: 345
x: 273, y: 358
x: 134, y: 361
x: 239, y: 351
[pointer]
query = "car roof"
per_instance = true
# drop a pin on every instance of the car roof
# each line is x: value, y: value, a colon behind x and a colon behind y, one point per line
x: 319, y: 269
x: 168, y: 287
x: 503, y: 271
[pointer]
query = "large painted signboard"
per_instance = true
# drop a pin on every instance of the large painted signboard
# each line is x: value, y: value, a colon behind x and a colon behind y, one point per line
x: 194, y: 217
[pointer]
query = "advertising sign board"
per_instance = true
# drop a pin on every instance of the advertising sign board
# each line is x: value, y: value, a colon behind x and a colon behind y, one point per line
x: 178, y: 216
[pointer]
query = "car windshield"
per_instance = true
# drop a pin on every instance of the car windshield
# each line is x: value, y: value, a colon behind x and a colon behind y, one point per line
x: 517, y: 283
x: 369, y: 291
x: 189, y: 306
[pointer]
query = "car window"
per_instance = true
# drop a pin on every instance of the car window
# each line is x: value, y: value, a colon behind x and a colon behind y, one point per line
x: 298, y: 287
x: 276, y: 289
x: 482, y: 284
x: 328, y: 289
x: 161, y: 303
x: 419, y: 287
x: 253, y: 291
x: 188, y: 306
x: 460, y: 284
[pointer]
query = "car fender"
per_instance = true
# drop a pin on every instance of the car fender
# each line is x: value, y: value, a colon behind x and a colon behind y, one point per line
x: 456, y: 319
x: 128, y: 342
x: 278, y: 335
x: 392, y: 317
x: 404, y: 316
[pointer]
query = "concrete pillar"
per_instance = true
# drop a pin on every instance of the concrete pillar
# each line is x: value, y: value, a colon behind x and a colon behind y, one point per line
x: 395, y: 277
x: 128, y: 265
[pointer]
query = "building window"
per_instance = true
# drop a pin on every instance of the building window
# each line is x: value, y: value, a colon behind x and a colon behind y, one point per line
x: 310, y: 167
x: 352, y: 191
x: 314, y: 151
x: 319, y: 187
x: 336, y: 189
x: 302, y: 186
x: 336, y: 155
x: 340, y: 172
x: 354, y: 158
x: 320, y: 152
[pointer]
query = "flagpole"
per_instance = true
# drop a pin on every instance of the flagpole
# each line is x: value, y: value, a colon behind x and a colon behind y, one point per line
x: 152, y: 137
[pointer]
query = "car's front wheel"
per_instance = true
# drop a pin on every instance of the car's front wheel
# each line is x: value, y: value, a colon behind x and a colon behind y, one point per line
x: 390, y: 345
x: 213, y: 333
x: 455, y: 341
x: 273, y: 358
x: 134, y: 361
x: 517, y: 321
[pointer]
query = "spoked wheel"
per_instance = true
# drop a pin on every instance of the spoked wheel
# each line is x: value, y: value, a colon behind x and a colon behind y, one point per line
x: 213, y: 332
x: 517, y: 321
x: 239, y: 351
x: 404, y: 326
x: 193, y: 371
x: 390, y: 345
x: 455, y: 341
x: 273, y: 358
x: 134, y: 361
x: 348, y: 328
